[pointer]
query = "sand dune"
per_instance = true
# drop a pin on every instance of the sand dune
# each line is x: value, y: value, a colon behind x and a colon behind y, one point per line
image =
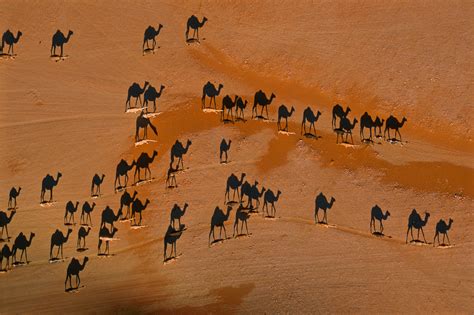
x: 402, y: 58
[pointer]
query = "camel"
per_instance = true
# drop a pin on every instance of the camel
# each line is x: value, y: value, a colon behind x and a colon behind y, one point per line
x: 74, y: 269
x: 59, y: 40
x: 218, y: 219
x: 150, y: 96
x: 177, y: 151
x: 49, y: 183
x: 414, y: 221
x: 14, y: 193
x: 210, y: 90
x: 122, y: 170
x: 144, y: 161
x: 240, y: 105
x: 270, y: 198
x: 442, y: 228
x: 104, y: 236
x: 138, y: 207
x: 177, y: 213
x: 58, y: 239
x: 109, y: 217
x: 377, y: 214
x: 150, y: 34
x: 366, y: 122
x: 171, y: 178
x: 308, y: 116
x: 143, y: 123
x: 223, y: 149
x: 337, y: 111
x: 171, y: 237
x: 86, y: 212
x: 345, y: 128
x: 81, y: 236
x: 261, y: 99
x: 392, y: 123
x: 322, y: 203
x: 194, y: 24
x: 254, y: 194
x: 96, y: 182
x: 22, y: 243
x: 234, y: 184
x: 9, y: 39
x: 284, y: 113
x: 6, y: 253
x: 5, y: 220
x: 228, y: 104
x: 70, y: 209
x: 245, y: 190
x: 242, y: 216
x: 127, y: 200
x: 378, y: 123
x: 135, y: 91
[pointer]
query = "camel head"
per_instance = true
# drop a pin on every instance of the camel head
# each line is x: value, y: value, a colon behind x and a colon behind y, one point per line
x: 387, y: 213
x: 102, y: 179
x: 77, y: 205
x: 18, y: 34
x: 70, y: 33
x: 229, y: 142
x: 59, y: 175
x: 134, y: 194
x: 332, y: 200
x: 219, y: 88
x: 348, y: 110
x: 272, y: 96
x: 147, y: 201
x: 19, y: 189
x: 155, y: 153
x: 93, y: 205
x: 12, y: 213
x: 160, y: 26
x: 146, y: 84
x: 318, y: 114
x: 188, y: 143
x: 204, y: 19
x: 86, y: 259
x: 162, y: 87
x: 292, y: 110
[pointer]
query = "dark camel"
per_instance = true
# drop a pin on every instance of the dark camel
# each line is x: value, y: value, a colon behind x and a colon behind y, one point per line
x: 9, y: 39
x: 210, y: 90
x: 74, y: 269
x: 177, y: 151
x: 322, y: 203
x: 255, y: 195
x: 127, y: 200
x: 308, y: 116
x: 122, y: 170
x: 345, y: 128
x: 96, y: 182
x: 233, y: 183
x: 377, y: 214
x: 240, y: 106
x: 135, y: 91
x: 171, y: 237
x: 105, y: 233
x: 81, y: 237
x: 143, y: 162
x: 378, y: 123
x: 14, y: 193
x: 109, y: 217
x: 70, y: 209
x: 393, y: 123
x: 21, y: 243
x: 176, y: 214
x: 86, y: 212
x: 150, y: 34
x: 150, y: 96
x: 223, y: 149
x: 366, y: 122
x: 242, y: 216
x: 337, y: 111
x: 193, y: 23
x: 6, y: 253
x: 228, y: 104
x: 138, y: 207
x: 270, y: 198
x: 415, y: 221
x: 442, y: 228
x: 284, y: 113
x: 59, y: 40
x: 245, y: 190
x: 143, y: 123
x: 49, y: 183
x: 58, y: 239
x: 5, y: 220
x: 261, y: 99
x: 218, y: 219
x: 171, y: 178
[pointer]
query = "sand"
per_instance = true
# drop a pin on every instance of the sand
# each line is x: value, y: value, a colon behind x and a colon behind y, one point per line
x: 403, y: 58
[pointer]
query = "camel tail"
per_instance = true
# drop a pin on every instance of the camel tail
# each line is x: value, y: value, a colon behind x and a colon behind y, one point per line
x: 154, y: 129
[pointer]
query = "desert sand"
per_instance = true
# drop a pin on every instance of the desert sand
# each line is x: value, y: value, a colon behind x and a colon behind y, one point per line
x: 410, y: 59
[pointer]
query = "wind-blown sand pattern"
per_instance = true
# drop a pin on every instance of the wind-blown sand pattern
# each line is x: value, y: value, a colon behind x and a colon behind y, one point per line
x: 402, y: 58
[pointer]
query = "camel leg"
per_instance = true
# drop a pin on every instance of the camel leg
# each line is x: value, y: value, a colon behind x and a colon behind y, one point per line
x: 381, y: 226
x: 398, y: 131
x: 62, y: 255
x: 325, y: 217
x: 286, y: 127
x: 211, y: 232
x: 246, y: 227
x: 423, y: 234
x: 449, y: 242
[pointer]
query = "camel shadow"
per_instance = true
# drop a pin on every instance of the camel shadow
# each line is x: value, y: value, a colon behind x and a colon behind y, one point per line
x: 149, y: 51
x: 380, y: 234
x: 172, y: 259
x: 311, y: 136
x: 219, y: 241
x: 82, y: 249
x: 193, y: 41
x: 56, y: 260
x: 105, y: 255
x: 74, y: 290
x: 419, y: 242
x: 21, y: 263
x: 3, y: 240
